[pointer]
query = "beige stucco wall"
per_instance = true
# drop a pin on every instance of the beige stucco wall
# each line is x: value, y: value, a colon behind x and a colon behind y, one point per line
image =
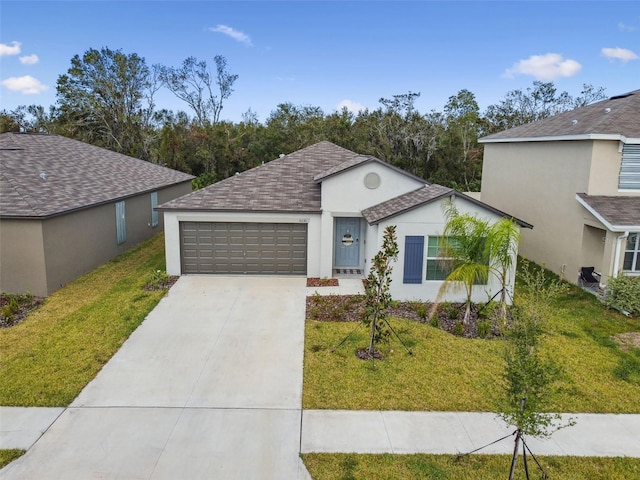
x: 22, y: 257
x: 538, y: 182
x: 43, y: 255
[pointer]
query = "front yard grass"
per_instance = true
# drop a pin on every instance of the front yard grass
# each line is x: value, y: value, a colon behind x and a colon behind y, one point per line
x: 48, y: 358
x: 9, y: 455
x: 330, y: 466
x: 448, y: 373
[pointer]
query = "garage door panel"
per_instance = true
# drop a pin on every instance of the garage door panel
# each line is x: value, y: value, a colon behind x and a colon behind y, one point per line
x: 243, y: 248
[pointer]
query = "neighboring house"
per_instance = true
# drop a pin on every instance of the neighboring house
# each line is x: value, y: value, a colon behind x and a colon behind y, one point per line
x: 576, y: 176
x: 67, y: 207
x: 319, y: 212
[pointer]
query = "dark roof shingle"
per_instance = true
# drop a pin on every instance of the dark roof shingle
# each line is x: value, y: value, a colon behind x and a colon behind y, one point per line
x: 285, y: 184
x: 619, y: 212
x: 406, y: 202
x: 46, y: 175
x: 617, y: 116
x: 423, y: 196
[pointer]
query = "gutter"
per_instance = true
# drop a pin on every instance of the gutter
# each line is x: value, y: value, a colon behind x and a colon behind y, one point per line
x: 616, y: 258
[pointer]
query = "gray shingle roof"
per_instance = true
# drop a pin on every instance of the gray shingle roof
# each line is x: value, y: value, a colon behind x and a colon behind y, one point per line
x: 423, y: 196
x: 617, y: 211
x: 406, y: 202
x: 619, y: 115
x: 47, y: 175
x: 285, y: 184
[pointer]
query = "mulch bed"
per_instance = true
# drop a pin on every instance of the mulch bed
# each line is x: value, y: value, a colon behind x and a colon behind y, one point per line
x: 26, y: 304
x: 322, y: 282
x: 448, y: 316
x: 162, y: 286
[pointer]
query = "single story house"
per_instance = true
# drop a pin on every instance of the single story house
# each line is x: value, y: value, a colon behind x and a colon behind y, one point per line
x: 317, y: 212
x: 576, y: 176
x: 67, y: 207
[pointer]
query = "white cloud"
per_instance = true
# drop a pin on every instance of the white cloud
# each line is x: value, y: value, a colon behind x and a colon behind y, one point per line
x: 623, y: 27
x: 29, y: 59
x: 13, y: 49
x: 545, y: 67
x: 619, y: 54
x: 235, y: 34
x: 26, y: 85
x: 353, y: 107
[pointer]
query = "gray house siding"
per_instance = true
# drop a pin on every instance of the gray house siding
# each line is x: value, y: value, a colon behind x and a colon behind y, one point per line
x: 41, y: 256
x: 22, y: 258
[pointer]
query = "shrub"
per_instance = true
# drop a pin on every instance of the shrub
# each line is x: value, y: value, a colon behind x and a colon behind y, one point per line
x: 158, y: 279
x: 451, y: 310
x: 484, y: 328
x: 458, y: 329
x: 421, y: 309
x: 624, y: 294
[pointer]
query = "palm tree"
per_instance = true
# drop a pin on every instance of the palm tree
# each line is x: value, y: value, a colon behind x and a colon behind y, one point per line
x: 502, y: 241
x: 464, y: 246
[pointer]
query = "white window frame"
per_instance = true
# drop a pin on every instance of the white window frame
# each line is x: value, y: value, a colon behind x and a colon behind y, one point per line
x: 634, y: 251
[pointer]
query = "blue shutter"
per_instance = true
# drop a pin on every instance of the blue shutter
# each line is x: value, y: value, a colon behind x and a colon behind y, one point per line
x: 413, y: 259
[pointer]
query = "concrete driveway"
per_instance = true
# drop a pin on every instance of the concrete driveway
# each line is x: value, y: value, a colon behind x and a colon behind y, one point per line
x: 209, y: 386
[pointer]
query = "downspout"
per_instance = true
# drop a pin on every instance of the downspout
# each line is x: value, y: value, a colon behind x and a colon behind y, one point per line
x: 616, y: 258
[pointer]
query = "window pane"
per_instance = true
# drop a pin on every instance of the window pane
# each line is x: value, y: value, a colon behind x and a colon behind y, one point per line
x: 628, y: 261
x: 438, y: 269
x: 632, y: 241
x: 433, y: 247
x: 637, y: 269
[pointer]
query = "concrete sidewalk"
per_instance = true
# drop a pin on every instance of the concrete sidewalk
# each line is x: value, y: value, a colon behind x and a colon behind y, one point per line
x: 600, y: 435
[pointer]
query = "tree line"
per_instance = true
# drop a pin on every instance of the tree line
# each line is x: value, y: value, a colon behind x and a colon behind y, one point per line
x: 106, y: 98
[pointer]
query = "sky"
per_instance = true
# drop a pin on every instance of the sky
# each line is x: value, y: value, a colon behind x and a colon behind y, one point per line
x: 332, y: 54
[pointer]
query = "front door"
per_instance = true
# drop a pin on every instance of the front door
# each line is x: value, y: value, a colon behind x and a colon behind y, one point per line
x: 347, y: 242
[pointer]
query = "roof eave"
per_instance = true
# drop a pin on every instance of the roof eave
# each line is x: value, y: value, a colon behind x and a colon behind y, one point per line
x: 413, y: 207
x: 556, y: 138
x: 609, y: 226
x: 230, y: 210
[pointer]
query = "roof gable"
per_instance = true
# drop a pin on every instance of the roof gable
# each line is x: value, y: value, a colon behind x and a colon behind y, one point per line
x: 617, y: 118
x: 357, y: 161
x: 47, y: 175
x: 423, y: 196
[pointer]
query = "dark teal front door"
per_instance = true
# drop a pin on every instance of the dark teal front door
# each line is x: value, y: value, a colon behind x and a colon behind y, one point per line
x: 347, y: 242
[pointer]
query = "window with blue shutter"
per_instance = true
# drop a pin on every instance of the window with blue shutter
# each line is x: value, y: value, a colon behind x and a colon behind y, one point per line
x: 121, y: 224
x: 413, y: 258
x: 154, y: 204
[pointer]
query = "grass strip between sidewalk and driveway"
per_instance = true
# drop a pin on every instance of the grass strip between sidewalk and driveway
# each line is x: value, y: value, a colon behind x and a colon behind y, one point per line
x: 337, y: 466
x: 47, y: 359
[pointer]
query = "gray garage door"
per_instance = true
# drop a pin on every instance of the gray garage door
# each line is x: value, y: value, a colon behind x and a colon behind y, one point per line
x: 244, y: 248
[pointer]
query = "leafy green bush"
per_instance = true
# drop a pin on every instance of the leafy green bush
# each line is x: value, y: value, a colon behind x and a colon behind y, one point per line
x: 458, y: 329
x: 484, y: 328
x: 624, y: 294
x: 158, y: 280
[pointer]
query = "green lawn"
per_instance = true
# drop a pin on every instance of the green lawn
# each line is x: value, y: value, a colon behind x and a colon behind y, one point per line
x: 449, y: 373
x: 325, y: 466
x: 49, y: 357
x: 8, y: 456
